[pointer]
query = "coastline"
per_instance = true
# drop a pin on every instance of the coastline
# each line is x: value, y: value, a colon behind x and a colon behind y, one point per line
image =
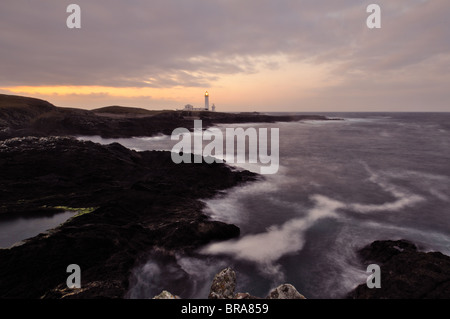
x: 22, y: 116
x: 143, y: 202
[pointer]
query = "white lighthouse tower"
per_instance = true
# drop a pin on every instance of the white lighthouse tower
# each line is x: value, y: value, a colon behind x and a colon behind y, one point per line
x: 206, y: 101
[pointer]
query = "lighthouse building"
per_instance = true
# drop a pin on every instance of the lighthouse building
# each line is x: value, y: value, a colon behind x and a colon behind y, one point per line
x: 189, y: 107
x: 206, y: 101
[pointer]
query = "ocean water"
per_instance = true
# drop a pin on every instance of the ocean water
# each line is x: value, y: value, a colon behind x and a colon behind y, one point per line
x: 341, y: 185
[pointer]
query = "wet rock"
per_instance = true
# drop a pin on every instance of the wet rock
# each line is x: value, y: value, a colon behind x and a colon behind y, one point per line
x: 223, y: 285
x: 285, y: 291
x: 406, y: 272
x: 166, y: 295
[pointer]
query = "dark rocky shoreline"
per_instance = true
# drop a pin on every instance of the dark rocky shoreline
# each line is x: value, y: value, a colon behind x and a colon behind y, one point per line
x: 406, y: 272
x: 20, y: 116
x: 144, y: 200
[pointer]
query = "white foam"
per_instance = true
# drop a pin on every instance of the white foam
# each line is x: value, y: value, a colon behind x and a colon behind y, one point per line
x: 231, y: 209
x: 399, y: 204
x: 144, y: 279
x: 403, y: 197
x: 431, y: 238
x: 340, y: 269
x: 266, y: 248
x: 159, y: 137
x: 436, y: 185
x: 201, y: 273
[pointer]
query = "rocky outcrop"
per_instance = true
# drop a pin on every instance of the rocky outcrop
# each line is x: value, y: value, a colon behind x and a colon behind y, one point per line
x: 285, y: 291
x: 224, y: 285
x: 406, y: 272
x: 166, y: 295
x: 142, y: 199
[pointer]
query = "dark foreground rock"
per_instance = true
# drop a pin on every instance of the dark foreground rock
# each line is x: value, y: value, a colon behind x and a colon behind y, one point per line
x: 406, y: 273
x: 224, y: 285
x: 285, y: 291
x: 142, y: 199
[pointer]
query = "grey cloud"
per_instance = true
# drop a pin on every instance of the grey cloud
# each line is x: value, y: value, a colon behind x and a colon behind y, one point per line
x: 165, y: 43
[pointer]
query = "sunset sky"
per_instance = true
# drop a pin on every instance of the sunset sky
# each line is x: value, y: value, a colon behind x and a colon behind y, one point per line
x: 251, y: 55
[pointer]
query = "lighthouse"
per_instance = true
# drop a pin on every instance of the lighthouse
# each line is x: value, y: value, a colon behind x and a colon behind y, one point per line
x: 206, y: 101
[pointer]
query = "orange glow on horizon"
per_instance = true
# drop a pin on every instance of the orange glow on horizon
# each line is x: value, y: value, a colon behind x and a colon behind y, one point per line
x: 158, y: 93
x: 285, y: 87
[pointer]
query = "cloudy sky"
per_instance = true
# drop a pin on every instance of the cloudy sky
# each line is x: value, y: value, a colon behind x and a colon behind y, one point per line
x: 251, y: 55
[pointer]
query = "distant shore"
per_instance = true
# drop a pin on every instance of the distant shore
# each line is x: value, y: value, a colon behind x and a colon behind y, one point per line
x: 23, y: 116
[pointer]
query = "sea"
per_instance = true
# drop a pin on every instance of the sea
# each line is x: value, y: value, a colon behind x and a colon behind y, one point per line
x: 340, y: 186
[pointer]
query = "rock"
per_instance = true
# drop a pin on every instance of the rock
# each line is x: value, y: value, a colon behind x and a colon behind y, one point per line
x: 406, y: 273
x: 91, y: 290
x: 166, y: 295
x: 285, y: 291
x: 223, y: 285
x: 383, y: 251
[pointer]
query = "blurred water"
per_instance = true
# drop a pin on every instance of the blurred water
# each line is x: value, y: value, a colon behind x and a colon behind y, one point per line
x: 340, y: 186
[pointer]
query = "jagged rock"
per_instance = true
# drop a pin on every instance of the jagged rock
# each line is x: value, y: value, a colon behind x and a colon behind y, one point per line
x: 406, y: 273
x: 166, y: 295
x: 223, y: 285
x: 285, y: 291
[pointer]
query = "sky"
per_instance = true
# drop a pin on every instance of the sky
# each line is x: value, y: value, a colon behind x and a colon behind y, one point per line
x: 250, y: 55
